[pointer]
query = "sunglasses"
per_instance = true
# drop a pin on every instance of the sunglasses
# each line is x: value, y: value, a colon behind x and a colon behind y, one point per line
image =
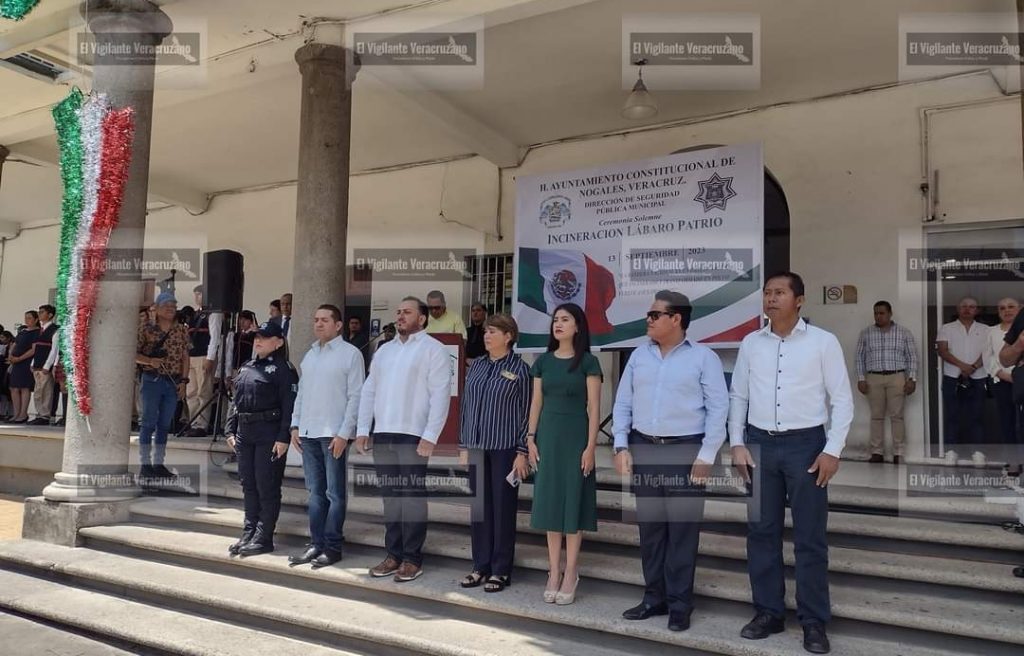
x: 654, y: 315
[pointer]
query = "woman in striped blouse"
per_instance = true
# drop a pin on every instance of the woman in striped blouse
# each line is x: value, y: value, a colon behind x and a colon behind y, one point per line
x: 492, y: 438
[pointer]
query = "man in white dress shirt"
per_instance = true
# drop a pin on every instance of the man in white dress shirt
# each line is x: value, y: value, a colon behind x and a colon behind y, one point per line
x: 405, y: 402
x: 961, y: 344
x: 790, y: 381
x: 323, y: 421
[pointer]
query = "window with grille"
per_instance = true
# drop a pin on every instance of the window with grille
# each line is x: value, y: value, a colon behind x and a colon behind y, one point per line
x: 490, y: 283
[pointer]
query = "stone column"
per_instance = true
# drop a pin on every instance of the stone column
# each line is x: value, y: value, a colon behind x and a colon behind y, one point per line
x: 321, y: 212
x: 94, y: 469
x: 1020, y: 71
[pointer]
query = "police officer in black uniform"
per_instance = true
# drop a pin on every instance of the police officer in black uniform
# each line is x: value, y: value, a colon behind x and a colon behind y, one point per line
x: 258, y: 430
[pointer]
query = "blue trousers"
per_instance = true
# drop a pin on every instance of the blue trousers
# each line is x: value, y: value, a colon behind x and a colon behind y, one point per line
x: 966, y: 405
x: 782, y: 464
x: 159, y: 398
x: 326, y: 478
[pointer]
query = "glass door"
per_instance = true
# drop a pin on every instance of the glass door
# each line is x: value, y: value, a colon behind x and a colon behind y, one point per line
x: 984, y: 263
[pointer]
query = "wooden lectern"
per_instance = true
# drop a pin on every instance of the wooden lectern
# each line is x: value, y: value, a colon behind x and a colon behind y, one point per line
x: 448, y: 443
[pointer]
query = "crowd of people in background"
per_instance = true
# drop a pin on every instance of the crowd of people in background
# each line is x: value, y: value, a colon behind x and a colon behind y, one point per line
x: 32, y: 372
x: 32, y: 375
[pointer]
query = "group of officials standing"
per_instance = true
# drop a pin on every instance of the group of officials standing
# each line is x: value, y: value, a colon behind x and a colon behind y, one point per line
x: 672, y: 414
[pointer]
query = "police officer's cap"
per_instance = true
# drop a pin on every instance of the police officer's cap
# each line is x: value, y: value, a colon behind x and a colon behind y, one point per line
x: 270, y: 330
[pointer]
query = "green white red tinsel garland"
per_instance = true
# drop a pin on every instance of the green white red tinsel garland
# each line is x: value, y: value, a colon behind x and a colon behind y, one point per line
x: 95, y: 151
x: 16, y: 9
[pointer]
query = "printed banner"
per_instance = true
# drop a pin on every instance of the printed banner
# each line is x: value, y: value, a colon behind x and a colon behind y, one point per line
x: 608, y: 238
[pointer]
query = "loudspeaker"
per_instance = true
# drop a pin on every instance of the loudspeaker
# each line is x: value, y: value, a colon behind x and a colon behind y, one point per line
x: 223, y: 281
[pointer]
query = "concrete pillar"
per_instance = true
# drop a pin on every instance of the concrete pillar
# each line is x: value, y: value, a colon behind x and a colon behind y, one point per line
x: 96, y: 451
x: 1020, y: 71
x: 321, y: 212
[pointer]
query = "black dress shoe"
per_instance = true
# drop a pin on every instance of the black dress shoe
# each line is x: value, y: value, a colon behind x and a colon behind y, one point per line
x: 147, y: 472
x: 307, y: 556
x: 162, y: 472
x: 242, y: 541
x: 39, y: 421
x: 762, y: 626
x: 1018, y: 572
x: 897, y: 460
x: 327, y: 558
x: 815, y: 640
x: 642, y: 611
x: 678, y: 620
x: 255, y: 548
x: 876, y: 458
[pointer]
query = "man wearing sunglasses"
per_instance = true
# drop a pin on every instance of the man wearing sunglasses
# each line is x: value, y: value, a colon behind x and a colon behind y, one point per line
x: 669, y: 416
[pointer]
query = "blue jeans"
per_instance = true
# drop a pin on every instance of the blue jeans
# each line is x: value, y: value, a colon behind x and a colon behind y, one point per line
x: 966, y: 404
x: 159, y: 398
x: 781, y: 474
x: 326, y: 478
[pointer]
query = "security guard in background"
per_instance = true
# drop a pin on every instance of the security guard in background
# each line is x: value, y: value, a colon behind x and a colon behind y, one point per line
x: 258, y: 430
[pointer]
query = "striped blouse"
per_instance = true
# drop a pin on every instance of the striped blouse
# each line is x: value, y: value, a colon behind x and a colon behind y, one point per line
x: 495, y: 404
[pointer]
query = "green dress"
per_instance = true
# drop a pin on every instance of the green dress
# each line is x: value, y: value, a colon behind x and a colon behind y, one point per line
x: 563, y: 499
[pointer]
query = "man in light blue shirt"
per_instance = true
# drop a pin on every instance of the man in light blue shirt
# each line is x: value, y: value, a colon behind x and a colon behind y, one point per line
x: 323, y: 422
x: 669, y: 417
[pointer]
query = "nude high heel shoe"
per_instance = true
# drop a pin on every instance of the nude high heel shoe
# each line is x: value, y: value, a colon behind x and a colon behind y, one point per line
x: 551, y: 595
x: 566, y: 598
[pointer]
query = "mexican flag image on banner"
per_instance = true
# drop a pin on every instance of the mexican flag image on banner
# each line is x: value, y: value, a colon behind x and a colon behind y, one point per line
x: 548, y: 278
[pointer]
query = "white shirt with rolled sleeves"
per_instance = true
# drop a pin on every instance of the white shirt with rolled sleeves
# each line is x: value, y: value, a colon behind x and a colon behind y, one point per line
x: 327, y: 403
x: 966, y: 344
x: 408, y: 390
x: 781, y: 384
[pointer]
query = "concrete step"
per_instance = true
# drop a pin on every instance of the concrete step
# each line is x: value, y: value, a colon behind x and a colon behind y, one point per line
x: 35, y: 637
x: 599, y: 604
x: 875, y: 488
x: 895, y: 603
x: 857, y: 486
x: 882, y: 564
x: 157, y: 630
x: 361, y: 619
x: 855, y: 527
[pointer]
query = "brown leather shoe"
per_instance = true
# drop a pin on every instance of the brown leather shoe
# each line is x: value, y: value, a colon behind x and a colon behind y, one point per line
x: 387, y: 567
x: 408, y: 572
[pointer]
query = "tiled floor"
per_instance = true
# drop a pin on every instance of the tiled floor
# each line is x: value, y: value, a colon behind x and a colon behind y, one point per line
x: 10, y: 517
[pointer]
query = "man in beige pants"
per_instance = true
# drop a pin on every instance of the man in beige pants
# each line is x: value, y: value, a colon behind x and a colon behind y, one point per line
x: 887, y: 374
x: 42, y: 365
x: 204, y: 334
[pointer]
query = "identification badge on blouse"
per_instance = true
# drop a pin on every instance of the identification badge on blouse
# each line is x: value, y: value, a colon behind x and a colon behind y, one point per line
x: 509, y: 375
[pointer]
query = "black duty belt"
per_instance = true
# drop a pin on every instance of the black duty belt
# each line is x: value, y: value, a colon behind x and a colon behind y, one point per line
x: 263, y: 415
x: 669, y: 439
x: 888, y: 373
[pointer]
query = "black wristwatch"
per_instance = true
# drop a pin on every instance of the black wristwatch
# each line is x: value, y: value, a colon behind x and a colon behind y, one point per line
x: 620, y: 449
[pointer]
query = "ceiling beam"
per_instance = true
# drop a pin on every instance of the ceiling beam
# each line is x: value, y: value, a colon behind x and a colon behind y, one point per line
x: 39, y: 28
x: 163, y: 191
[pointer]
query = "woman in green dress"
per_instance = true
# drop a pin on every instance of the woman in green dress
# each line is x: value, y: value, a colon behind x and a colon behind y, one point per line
x: 562, y: 439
